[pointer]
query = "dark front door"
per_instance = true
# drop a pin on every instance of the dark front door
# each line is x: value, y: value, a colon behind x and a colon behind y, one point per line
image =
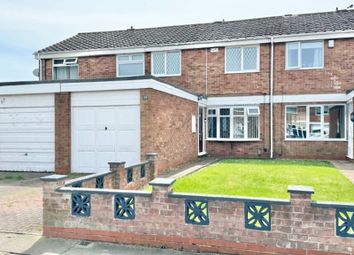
x: 201, y: 130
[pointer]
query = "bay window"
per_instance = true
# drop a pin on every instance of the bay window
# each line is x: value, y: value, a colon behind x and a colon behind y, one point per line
x: 130, y: 65
x: 65, y: 69
x: 233, y: 123
x: 315, y: 122
x: 304, y: 55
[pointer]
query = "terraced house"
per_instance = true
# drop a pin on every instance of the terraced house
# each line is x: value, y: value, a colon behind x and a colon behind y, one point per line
x: 266, y: 87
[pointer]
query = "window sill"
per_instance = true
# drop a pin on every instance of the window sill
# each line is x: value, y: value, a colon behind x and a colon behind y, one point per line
x: 304, y: 68
x: 232, y: 140
x: 315, y: 140
x: 241, y: 72
x: 166, y: 75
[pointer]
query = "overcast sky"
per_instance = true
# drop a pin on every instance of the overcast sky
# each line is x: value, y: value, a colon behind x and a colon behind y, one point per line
x: 26, y: 26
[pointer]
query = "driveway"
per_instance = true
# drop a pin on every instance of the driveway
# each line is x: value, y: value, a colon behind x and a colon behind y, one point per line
x: 21, y: 202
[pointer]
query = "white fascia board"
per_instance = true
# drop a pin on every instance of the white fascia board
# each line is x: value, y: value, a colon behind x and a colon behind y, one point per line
x: 163, y: 87
x: 250, y: 100
x: 350, y: 95
x: 199, y: 45
x: 30, y: 89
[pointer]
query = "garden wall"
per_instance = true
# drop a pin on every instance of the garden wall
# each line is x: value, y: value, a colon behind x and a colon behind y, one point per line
x: 225, y: 224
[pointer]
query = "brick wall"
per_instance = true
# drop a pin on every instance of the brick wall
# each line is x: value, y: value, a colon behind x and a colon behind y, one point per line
x: 97, y: 67
x: 166, y: 128
x: 296, y: 226
x: 62, y: 133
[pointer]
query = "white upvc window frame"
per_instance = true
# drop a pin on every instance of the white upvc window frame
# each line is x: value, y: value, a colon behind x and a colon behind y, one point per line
x: 130, y: 61
x: 66, y: 63
x: 257, y: 46
x: 245, y: 116
x: 308, y: 138
x: 165, y: 63
x: 299, y: 66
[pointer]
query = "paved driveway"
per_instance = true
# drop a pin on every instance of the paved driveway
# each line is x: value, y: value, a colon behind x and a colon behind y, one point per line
x: 21, y: 202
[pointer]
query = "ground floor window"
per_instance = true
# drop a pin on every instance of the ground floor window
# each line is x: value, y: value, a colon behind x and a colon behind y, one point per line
x: 233, y: 123
x: 316, y: 122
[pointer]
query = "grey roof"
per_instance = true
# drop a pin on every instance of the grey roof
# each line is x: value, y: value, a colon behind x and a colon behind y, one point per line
x: 217, y: 31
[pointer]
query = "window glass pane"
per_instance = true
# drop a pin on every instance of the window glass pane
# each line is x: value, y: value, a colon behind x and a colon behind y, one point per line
x: 239, y: 111
x: 293, y: 55
x: 239, y: 127
x: 224, y: 111
x: 131, y: 69
x: 73, y: 73
x: 159, y: 63
x: 233, y: 59
x: 224, y: 127
x: 296, y: 122
x: 123, y: 58
x: 137, y: 57
x: 315, y: 122
x: 250, y: 58
x: 334, y: 121
x: 212, y: 127
x: 173, y: 63
x: 211, y: 111
x: 252, y: 127
x: 312, y: 54
x: 58, y: 61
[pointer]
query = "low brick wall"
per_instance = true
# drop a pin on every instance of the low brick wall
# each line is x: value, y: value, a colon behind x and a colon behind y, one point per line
x: 225, y: 224
x: 119, y: 176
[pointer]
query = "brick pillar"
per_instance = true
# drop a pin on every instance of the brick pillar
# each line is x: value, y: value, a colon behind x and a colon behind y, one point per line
x: 53, y: 201
x: 151, y: 157
x: 161, y: 187
x: 118, y: 168
x: 62, y: 133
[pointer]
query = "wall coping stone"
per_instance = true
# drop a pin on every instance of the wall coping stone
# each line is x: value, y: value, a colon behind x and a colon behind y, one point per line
x: 227, y: 198
x: 86, y: 178
x: 105, y: 191
x: 116, y: 164
x: 330, y: 204
x: 301, y: 189
x: 162, y: 182
x: 139, y: 164
x: 53, y: 177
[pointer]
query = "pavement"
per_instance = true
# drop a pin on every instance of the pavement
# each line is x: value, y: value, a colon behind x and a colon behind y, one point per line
x: 345, y: 167
x: 21, y: 224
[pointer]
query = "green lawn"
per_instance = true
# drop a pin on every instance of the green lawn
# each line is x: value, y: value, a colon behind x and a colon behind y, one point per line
x: 268, y: 178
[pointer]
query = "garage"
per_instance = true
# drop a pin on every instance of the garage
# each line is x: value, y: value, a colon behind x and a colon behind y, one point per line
x: 105, y: 128
x: 27, y: 132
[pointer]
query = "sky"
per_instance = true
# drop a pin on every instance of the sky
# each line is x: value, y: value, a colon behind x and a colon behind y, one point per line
x: 27, y: 26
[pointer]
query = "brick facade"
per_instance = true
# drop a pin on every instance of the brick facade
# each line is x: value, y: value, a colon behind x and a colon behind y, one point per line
x: 166, y: 128
x: 297, y: 226
x: 62, y: 133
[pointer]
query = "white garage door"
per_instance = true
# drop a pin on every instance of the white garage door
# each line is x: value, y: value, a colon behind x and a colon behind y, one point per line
x: 105, y: 128
x: 27, y: 133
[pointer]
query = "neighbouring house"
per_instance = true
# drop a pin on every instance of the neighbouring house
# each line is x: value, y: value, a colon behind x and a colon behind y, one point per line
x: 266, y: 87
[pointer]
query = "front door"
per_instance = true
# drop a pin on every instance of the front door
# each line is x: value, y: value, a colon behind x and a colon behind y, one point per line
x: 350, y: 131
x: 201, y: 129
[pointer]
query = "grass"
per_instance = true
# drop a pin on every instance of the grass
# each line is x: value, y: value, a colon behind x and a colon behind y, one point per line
x: 268, y: 178
x: 16, y: 177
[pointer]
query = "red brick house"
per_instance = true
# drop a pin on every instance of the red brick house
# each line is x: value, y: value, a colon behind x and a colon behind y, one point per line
x: 267, y: 87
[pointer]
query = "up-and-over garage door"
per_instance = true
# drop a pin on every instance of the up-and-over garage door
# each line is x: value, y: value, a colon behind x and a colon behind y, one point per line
x: 105, y: 128
x: 27, y: 133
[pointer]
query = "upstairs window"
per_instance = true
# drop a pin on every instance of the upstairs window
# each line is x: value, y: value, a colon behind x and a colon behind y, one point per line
x: 242, y: 59
x: 65, y: 69
x: 166, y: 63
x: 304, y: 55
x: 130, y: 65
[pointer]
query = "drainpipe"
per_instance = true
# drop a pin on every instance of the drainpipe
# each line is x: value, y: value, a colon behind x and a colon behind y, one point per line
x: 271, y: 95
x: 206, y: 72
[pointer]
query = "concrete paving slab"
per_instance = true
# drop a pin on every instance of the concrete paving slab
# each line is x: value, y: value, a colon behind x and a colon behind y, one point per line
x: 346, y: 168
